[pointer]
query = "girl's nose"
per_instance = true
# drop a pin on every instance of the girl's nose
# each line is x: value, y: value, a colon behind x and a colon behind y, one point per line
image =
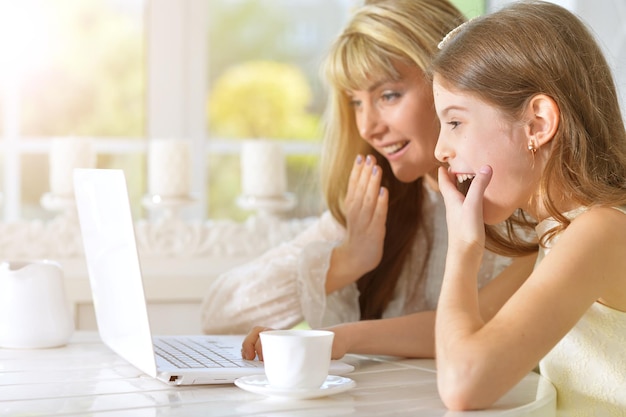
x: 443, y: 151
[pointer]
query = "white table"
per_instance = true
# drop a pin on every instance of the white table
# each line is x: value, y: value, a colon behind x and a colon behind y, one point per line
x: 86, y: 378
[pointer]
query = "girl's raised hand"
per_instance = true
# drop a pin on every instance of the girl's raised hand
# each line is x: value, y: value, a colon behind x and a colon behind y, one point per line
x: 464, y: 214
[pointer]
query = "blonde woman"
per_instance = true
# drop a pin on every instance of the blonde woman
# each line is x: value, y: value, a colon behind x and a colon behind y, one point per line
x: 379, y: 250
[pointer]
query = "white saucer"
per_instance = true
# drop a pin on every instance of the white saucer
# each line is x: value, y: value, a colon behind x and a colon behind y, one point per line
x: 259, y: 385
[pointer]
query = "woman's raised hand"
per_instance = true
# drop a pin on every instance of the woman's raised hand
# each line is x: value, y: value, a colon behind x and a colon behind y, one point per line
x: 366, y: 213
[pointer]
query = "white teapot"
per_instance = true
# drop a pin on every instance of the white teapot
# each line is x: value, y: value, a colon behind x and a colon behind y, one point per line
x: 34, y: 312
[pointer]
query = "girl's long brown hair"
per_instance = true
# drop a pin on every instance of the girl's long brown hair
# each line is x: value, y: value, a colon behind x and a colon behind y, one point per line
x: 537, y: 47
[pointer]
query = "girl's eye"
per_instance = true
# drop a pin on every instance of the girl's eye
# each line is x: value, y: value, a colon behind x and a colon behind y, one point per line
x: 454, y: 124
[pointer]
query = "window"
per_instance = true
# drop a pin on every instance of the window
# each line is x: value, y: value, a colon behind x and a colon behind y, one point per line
x: 124, y: 72
x: 68, y: 69
x: 280, y: 97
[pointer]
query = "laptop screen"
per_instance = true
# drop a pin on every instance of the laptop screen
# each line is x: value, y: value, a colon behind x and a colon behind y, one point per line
x: 113, y: 264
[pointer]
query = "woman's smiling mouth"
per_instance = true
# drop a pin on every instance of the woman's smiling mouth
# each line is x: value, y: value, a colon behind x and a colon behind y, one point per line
x: 395, y: 147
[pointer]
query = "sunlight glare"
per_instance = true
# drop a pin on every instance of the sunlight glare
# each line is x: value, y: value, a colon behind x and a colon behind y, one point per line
x: 24, y: 36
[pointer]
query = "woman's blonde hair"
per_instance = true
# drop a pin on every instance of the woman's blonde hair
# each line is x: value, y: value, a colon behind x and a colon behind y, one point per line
x: 379, y: 34
x: 537, y: 47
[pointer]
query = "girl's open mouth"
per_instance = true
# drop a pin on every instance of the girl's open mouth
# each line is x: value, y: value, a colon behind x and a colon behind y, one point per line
x: 463, y: 182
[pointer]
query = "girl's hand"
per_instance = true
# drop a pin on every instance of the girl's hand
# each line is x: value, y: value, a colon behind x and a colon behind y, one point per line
x: 366, y: 214
x: 464, y: 214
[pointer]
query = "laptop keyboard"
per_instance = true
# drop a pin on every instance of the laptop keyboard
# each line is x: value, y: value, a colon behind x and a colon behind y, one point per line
x: 200, y: 353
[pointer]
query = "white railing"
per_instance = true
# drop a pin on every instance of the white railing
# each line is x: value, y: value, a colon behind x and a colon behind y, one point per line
x: 179, y: 259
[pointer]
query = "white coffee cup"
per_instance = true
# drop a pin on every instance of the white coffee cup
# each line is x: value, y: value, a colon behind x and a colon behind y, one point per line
x: 297, y: 359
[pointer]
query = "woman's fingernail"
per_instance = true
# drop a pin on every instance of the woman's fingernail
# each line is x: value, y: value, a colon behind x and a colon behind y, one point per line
x: 485, y: 169
x: 375, y: 170
x: 368, y: 160
x: 359, y: 159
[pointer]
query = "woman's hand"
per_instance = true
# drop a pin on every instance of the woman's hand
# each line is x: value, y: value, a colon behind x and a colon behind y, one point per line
x: 251, y: 346
x: 366, y: 214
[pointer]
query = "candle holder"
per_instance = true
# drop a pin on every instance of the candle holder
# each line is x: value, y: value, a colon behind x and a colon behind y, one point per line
x: 61, y: 203
x: 65, y: 155
x: 268, y: 206
x: 171, y: 206
x: 169, y: 171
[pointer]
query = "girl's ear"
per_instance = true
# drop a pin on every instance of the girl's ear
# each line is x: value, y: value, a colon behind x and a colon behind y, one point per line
x: 543, y: 120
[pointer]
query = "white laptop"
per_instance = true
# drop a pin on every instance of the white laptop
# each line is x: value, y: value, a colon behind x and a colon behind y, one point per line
x: 116, y: 283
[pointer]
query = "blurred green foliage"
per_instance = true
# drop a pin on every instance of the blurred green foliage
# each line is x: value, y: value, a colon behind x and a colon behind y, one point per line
x: 470, y: 8
x: 262, y: 99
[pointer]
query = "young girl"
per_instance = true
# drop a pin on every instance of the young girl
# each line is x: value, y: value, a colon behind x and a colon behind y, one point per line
x: 529, y: 113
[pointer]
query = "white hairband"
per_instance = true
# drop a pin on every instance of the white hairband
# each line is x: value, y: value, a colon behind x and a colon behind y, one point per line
x: 451, y: 34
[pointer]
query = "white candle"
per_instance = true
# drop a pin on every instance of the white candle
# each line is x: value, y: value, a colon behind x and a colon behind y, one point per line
x: 263, y: 169
x: 169, y: 168
x: 65, y: 155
